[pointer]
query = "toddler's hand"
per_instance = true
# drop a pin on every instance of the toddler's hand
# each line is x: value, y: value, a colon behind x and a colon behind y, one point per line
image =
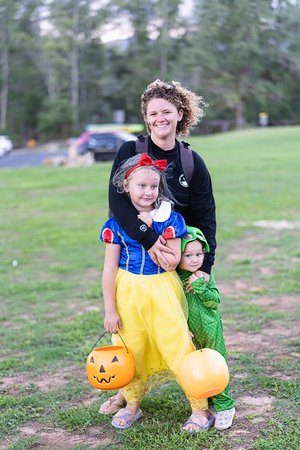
x: 204, y: 275
x: 192, y: 278
x: 146, y: 218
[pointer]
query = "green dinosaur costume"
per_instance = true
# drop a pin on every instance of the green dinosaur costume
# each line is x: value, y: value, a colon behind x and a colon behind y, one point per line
x: 204, y: 319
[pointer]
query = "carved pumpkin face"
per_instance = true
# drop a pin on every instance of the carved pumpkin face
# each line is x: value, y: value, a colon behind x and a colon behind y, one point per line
x: 203, y: 373
x: 110, y: 367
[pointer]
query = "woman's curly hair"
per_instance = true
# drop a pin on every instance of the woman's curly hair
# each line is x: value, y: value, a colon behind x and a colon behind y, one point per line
x: 191, y: 104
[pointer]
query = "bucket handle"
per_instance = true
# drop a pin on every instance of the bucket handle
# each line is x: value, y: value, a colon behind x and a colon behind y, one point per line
x: 104, y: 335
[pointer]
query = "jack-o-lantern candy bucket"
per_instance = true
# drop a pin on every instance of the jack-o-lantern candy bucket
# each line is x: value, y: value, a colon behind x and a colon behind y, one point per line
x: 203, y: 373
x: 110, y: 367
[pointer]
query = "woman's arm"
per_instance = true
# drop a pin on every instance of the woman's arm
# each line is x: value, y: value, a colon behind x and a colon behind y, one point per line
x: 172, y: 259
x: 112, y: 319
x: 122, y: 208
x: 202, y: 212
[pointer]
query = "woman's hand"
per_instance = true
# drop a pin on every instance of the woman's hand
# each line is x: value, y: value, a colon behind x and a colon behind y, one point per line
x: 157, y: 250
x: 112, y: 322
x: 146, y: 218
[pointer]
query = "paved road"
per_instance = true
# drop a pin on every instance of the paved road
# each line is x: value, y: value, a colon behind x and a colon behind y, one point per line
x: 27, y: 158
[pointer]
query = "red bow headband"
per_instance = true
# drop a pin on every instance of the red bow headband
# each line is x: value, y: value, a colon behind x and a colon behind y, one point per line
x: 147, y: 161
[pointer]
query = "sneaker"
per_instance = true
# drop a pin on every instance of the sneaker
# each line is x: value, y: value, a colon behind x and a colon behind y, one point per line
x: 224, y: 419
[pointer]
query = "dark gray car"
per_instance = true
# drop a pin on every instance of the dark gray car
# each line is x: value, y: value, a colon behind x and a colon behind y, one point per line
x: 102, y: 145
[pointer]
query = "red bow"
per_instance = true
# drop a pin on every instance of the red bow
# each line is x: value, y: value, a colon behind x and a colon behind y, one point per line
x: 147, y: 161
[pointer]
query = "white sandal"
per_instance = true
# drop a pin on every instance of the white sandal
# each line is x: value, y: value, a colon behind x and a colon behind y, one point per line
x: 112, y: 405
x: 127, y: 417
x: 199, y: 423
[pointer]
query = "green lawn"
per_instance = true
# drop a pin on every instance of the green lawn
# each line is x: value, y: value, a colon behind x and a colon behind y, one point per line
x: 51, y: 307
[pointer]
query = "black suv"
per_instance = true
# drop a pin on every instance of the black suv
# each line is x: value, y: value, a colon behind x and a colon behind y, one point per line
x: 103, y: 145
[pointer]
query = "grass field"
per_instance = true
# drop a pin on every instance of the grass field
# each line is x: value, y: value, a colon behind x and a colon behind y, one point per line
x: 51, y: 305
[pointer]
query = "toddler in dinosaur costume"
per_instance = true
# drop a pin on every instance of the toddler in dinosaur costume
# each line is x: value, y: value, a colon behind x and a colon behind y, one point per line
x: 204, y: 319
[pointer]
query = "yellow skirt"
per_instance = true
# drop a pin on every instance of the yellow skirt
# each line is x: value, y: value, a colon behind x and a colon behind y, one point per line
x: 153, y: 311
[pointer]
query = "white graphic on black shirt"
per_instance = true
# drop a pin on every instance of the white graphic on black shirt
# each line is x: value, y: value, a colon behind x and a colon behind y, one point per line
x: 182, y: 181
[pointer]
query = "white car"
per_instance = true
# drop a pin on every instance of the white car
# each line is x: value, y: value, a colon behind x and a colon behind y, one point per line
x: 6, y: 145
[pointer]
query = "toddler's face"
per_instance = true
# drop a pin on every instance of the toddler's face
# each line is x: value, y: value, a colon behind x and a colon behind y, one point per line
x: 192, y: 257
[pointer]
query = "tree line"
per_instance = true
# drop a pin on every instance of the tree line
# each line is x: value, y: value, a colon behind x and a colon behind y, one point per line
x: 59, y: 73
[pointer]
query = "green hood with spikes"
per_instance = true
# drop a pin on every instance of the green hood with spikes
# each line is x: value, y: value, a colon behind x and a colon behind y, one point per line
x: 193, y: 234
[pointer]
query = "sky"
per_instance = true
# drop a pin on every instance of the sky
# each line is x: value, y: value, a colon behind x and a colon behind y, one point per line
x: 111, y: 32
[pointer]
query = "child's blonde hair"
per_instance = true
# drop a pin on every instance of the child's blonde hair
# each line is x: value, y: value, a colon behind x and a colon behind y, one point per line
x: 120, y: 176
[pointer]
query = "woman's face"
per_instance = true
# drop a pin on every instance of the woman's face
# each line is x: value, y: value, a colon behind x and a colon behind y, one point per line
x: 162, y: 117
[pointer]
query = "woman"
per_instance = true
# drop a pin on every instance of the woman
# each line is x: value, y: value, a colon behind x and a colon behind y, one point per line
x: 169, y: 110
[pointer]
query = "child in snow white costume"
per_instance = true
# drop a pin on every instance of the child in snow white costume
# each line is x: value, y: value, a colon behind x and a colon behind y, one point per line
x: 145, y: 301
x: 204, y: 319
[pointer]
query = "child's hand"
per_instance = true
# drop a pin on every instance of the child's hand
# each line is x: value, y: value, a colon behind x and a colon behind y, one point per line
x: 191, y: 279
x: 146, y: 218
x: 112, y: 322
x: 204, y: 275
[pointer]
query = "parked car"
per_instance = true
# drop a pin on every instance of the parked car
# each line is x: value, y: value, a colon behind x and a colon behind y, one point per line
x: 6, y: 145
x: 102, y: 145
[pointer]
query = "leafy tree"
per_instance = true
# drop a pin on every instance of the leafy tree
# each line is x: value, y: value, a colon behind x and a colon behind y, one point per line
x: 280, y: 55
x: 237, y: 55
x: 241, y: 55
x: 54, y: 119
x: 7, y: 12
x: 151, y: 52
x: 228, y: 36
x: 75, y: 22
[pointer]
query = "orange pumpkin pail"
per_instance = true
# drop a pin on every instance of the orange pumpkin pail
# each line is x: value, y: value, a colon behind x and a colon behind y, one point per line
x: 109, y: 367
x: 203, y: 373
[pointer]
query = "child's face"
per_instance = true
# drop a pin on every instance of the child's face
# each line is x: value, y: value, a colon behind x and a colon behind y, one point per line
x: 143, y: 188
x: 192, y: 257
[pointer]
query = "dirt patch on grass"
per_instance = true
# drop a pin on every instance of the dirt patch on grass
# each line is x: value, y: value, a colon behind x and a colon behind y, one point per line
x: 283, y: 303
x: 253, y: 414
x: 237, y: 288
x: 251, y: 406
x: 246, y: 343
x: 267, y: 341
x: 61, y: 439
x: 268, y: 346
x: 57, y: 438
x: 43, y: 382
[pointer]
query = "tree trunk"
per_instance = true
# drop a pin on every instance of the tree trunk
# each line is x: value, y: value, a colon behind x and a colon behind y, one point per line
x: 5, y: 74
x: 239, y: 115
x: 47, y: 72
x: 74, y: 69
x: 164, y: 41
